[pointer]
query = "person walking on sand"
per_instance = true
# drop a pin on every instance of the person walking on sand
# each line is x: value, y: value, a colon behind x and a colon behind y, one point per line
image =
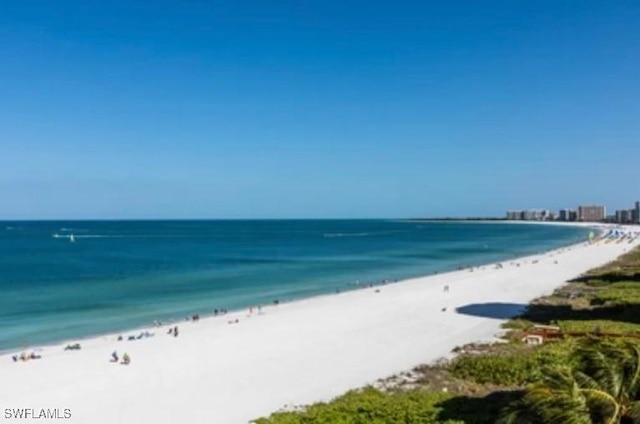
x: 175, y: 331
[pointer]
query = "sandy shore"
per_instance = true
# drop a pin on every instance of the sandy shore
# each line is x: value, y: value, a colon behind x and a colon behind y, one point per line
x: 295, y: 353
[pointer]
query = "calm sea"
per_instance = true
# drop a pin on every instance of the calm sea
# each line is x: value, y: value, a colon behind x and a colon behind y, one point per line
x: 65, y: 280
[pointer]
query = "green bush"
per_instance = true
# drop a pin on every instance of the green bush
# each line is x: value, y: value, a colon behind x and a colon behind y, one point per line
x: 369, y: 406
x: 602, y: 326
x: 503, y: 370
x: 517, y: 368
x: 517, y: 324
x: 619, y: 294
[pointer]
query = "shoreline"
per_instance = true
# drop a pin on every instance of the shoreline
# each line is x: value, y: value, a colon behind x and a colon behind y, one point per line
x: 174, y: 320
x: 294, y: 353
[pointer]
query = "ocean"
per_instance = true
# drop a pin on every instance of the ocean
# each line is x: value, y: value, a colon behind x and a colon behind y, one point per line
x: 64, y: 280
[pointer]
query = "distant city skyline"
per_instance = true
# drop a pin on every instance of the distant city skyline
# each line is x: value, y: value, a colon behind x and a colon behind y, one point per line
x: 135, y: 109
x: 586, y: 213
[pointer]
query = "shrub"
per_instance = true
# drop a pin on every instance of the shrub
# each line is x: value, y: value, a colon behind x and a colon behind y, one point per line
x: 516, y: 368
x: 602, y: 326
x: 369, y: 406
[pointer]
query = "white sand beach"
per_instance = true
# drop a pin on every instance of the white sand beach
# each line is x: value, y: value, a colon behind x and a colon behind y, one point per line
x: 290, y: 354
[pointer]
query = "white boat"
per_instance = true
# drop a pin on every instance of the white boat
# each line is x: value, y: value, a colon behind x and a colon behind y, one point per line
x: 72, y: 238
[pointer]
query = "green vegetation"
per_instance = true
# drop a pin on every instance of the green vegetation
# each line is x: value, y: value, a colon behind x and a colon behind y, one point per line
x: 369, y: 406
x: 627, y: 267
x: 625, y: 293
x: 514, y: 367
x: 604, y: 301
x: 603, y: 387
x: 600, y: 327
x: 575, y: 380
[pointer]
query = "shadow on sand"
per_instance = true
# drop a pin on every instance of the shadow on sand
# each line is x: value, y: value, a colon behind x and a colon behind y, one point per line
x: 495, y: 310
x: 546, y: 314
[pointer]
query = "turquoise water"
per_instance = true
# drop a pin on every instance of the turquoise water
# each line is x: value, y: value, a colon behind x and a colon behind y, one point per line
x: 122, y: 274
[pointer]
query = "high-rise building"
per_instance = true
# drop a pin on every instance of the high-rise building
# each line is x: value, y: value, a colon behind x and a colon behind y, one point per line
x: 543, y: 215
x: 594, y: 213
x: 636, y: 218
x: 567, y: 215
x: 573, y: 215
x: 528, y: 215
x: 514, y: 215
x: 625, y: 216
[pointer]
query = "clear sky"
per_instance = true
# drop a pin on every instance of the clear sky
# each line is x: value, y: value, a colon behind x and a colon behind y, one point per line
x: 328, y: 108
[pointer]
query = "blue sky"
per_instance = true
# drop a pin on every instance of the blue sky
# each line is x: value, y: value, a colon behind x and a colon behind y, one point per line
x: 251, y: 109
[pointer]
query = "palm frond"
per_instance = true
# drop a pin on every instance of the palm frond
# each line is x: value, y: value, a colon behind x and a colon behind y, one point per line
x: 633, y: 412
x: 633, y: 370
x: 602, y: 367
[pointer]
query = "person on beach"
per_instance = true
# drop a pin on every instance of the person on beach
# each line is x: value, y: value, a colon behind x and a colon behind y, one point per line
x: 114, y: 356
x: 175, y: 331
x: 126, y: 359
